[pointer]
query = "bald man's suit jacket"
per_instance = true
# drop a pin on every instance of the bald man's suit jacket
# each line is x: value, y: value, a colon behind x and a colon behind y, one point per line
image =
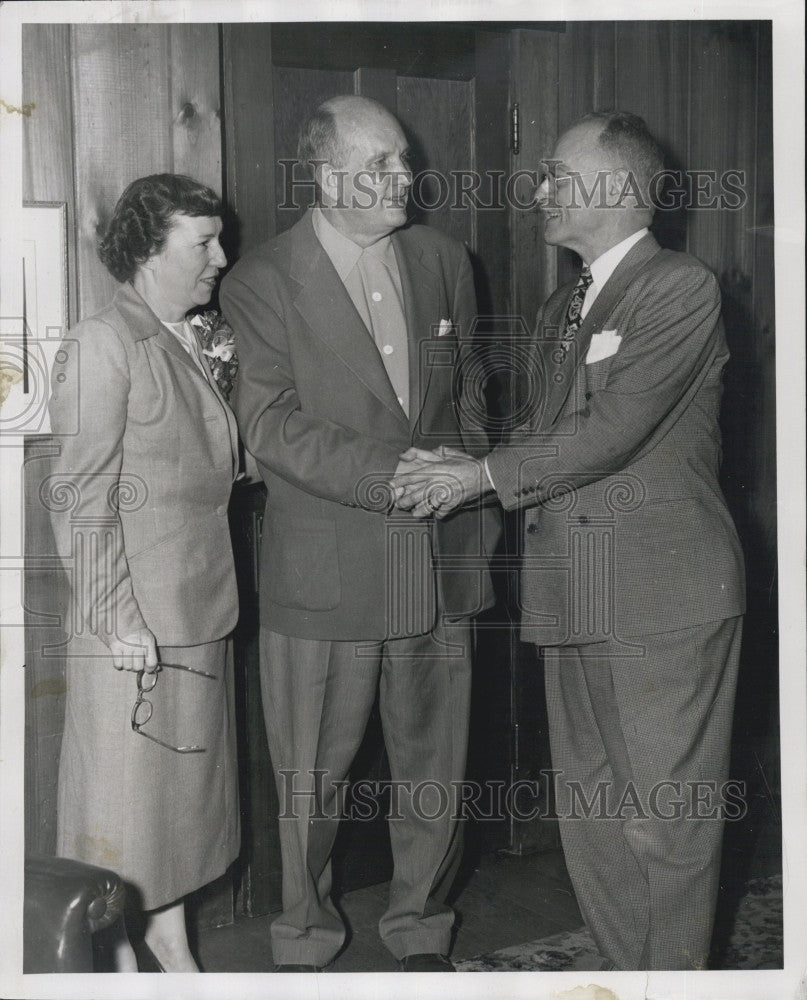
x: 626, y: 528
x: 316, y: 409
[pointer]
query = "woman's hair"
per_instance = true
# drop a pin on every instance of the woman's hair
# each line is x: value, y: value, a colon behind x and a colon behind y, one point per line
x: 143, y: 217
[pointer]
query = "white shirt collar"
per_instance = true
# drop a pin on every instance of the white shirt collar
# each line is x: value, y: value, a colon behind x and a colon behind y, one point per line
x: 605, y: 265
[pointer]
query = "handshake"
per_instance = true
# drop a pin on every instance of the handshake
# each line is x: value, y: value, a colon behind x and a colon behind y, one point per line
x: 436, y: 483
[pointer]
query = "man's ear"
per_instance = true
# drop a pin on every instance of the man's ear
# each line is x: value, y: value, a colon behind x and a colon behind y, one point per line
x: 624, y: 190
x: 617, y: 180
x: 330, y: 182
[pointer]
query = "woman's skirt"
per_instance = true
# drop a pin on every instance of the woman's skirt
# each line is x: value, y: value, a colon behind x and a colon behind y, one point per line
x: 167, y: 822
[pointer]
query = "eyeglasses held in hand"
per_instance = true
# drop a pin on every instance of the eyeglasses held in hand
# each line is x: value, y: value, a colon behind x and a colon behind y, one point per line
x: 143, y: 708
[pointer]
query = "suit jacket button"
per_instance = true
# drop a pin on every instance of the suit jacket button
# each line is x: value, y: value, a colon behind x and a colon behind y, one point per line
x: 589, y: 395
x: 221, y: 510
x: 532, y: 528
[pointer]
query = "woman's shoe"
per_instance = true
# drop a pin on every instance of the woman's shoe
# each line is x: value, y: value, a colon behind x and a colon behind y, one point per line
x: 147, y: 961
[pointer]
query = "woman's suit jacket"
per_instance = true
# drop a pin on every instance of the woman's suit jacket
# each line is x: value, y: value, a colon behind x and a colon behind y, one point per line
x: 139, y: 494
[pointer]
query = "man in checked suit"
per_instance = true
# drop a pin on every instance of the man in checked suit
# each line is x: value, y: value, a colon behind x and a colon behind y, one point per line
x: 633, y: 575
x: 348, y: 330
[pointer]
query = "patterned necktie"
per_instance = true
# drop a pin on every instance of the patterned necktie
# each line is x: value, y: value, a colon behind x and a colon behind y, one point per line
x: 573, y: 313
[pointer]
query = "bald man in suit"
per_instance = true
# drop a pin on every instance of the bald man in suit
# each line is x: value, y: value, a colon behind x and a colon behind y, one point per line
x: 348, y: 328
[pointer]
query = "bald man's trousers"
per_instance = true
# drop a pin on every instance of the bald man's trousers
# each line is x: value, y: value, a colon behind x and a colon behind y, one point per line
x: 317, y: 698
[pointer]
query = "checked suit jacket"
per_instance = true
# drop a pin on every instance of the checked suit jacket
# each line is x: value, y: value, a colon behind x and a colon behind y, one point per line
x: 317, y: 411
x: 626, y: 529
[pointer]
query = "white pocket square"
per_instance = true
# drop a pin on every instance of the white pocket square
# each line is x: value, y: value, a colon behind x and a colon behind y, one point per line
x: 446, y: 326
x: 603, y: 345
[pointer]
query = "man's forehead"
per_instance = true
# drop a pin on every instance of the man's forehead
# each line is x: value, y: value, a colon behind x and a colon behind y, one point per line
x: 374, y: 127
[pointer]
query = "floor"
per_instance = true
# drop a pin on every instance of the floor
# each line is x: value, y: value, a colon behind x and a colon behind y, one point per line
x: 503, y: 900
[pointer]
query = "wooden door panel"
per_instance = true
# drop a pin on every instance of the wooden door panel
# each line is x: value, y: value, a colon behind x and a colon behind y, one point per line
x: 438, y: 118
x: 297, y: 93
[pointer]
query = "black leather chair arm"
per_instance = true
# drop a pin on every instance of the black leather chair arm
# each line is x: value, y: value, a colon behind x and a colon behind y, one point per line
x: 66, y: 902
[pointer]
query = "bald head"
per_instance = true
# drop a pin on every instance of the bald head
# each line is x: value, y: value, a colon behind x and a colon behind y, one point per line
x: 325, y: 135
x: 361, y: 160
x: 626, y: 140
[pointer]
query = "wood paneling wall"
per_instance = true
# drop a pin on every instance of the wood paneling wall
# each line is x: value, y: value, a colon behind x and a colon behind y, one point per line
x: 422, y: 103
x: 249, y: 141
x: 303, y: 91
x: 146, y: 100
x: 48, y: 141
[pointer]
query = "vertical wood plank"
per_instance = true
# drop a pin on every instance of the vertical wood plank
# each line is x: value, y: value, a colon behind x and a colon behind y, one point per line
x: 47, y: 176
x: 437, y: 117
x: 47, y: 132
x: 586, y: 82
x: 46, y: 608
x: 722, y: 137
x: 195, y: 102
x: 652, y: 80
x: 763, y: 500
x: 723, y: 90
x: 298, y: 92
x: 534, y: 79
x: 123, y: 126
x: 730, y: 108
x: 491, y: 123
x: 249, y: 136
x: 652, y: 69
x: 380, y: 84
x: 261, y: 875
x: 586, y: 63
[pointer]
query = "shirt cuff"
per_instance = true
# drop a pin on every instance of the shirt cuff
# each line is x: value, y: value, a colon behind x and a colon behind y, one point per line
x: 487, y: 473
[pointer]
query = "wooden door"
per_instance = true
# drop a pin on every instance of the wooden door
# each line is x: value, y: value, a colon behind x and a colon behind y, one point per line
x: 449, y: 89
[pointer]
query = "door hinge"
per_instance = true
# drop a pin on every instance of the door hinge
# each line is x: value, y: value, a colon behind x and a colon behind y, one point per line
x: 515, y: 130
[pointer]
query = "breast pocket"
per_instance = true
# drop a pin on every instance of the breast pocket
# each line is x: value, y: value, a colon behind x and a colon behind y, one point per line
x: 597, y: 375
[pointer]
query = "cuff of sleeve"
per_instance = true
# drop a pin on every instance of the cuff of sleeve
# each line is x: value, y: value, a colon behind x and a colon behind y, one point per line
x: 498, y: 465
x: 487, y: 473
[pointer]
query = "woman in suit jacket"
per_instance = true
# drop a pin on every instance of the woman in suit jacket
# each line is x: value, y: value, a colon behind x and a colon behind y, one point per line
x: 147, y: 776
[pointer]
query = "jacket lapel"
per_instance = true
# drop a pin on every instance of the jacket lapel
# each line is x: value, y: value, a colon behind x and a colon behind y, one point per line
x: 232, y: 426
x: 144, y: 325
x: 605, y: 303
x: 421, y: 294
x: 323, y: 302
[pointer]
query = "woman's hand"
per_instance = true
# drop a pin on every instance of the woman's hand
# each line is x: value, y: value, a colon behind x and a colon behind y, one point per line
x: 136, y: 651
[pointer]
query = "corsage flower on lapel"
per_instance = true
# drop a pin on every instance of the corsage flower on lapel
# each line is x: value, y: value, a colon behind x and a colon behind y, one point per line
x: 446, y: 327
x: 218, y: 347
x: 603, y: 345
